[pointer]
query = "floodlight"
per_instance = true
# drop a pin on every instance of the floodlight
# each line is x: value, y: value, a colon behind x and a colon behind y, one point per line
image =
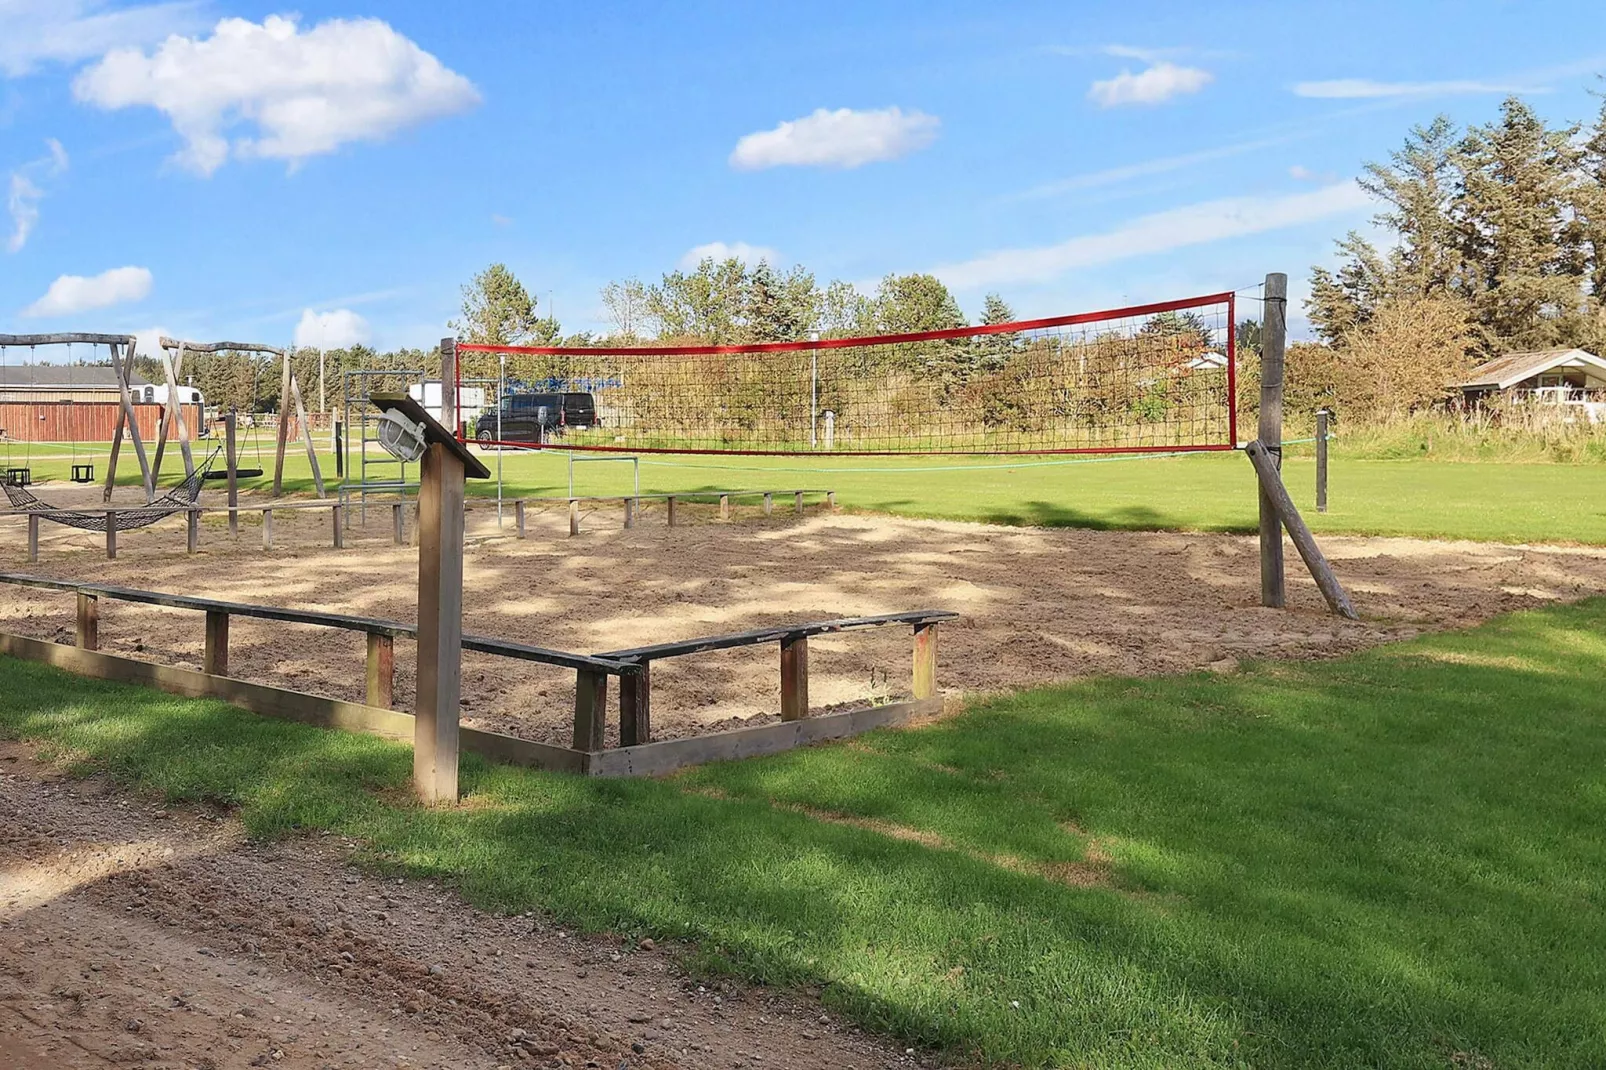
x: 402, y: 438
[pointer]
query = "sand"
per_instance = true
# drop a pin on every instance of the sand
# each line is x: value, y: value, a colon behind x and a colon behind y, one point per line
x: 1038, y: 606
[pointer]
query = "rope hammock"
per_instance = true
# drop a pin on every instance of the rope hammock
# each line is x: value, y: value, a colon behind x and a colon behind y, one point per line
x: 180, y: 497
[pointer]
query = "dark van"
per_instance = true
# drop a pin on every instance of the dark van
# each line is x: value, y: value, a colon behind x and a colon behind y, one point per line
x: 537, y: 417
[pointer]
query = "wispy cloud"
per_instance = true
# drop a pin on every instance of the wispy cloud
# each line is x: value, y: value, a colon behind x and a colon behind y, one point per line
x: 1367, y: 89
x: 339, y: 328
x: 1155, y: 84
x: 36, y: 32
x: 1109, y: 176
x: 24, y: 195
x: 1195, y: 224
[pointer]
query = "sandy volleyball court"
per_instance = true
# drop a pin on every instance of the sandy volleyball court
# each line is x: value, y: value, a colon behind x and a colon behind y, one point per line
x: 1038, y: 606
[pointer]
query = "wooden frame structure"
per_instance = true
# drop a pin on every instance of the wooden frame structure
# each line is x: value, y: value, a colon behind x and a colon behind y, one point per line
x: 637, y: 754
x: 122, y: 347
x: 289, y: 391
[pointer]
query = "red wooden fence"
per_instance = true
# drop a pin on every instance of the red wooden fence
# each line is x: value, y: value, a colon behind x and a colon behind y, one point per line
x: 82, y: 421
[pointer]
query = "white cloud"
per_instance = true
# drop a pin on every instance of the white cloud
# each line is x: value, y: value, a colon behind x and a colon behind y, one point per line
x: 24, y: 195
x: 70, y: 294
x: 1152, y: 85
x: 336, y: 329
x: 718, y: 250
x: 300, y: 92
x: 1366, y: 89
x: 842, y: 138
x: 1301, y: 173
x: 35, y: 32
x: 148, y: 342
x: 1195, y: 224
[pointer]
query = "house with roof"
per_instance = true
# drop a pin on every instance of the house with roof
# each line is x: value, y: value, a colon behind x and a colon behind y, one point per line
x: 81, y: 403
x: 1570, y: 378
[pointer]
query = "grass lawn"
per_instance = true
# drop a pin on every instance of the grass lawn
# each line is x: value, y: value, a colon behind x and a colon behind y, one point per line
x: 1423, y: 497
x: 1394, y: 859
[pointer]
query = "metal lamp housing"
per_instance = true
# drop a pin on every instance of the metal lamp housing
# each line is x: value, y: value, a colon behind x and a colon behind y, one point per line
x: 400, y: 437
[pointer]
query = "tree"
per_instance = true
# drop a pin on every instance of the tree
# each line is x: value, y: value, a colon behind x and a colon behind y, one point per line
x: 627, y: 307
x: 1418, y: 184
x: 704, y: 305
x: 498, y: 310
x: 905, y: 304
x: 843, y: 311
x: 995, y: 310
x: 778, y: 307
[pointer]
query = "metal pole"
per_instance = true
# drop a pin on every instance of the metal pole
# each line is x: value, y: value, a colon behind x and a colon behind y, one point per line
x: 814, y: 393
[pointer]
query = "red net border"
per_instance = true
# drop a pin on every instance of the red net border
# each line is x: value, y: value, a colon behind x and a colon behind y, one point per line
x: 1229, y: 298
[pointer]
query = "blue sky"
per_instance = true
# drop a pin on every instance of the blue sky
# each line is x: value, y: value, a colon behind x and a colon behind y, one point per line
x: 284, y: 171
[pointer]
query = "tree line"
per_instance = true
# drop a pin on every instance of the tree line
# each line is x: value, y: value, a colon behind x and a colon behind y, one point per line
x: 1497, y: 243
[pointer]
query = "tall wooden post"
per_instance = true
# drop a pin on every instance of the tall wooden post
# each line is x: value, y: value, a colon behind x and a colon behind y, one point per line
x: 231, y: 459
x: 440, y: 605
x: 794, y: 677
x: 1321, y: 459
x: 1274, y: 341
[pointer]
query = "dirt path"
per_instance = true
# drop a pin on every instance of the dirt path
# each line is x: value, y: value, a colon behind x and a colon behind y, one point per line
x: 135, y: 936
x: 1038, y: 605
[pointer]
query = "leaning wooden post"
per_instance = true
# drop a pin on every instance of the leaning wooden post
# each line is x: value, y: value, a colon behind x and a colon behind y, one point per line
x: 232, y: 460
x: 381, y: 670
x: 33, y: 539
x: 925, y: 661
x: 127, y: 417
x: 1274, y: 339
x: 88, y: 621
x: 635, y: 707
x: 794, y: 677
x: 1322, y: 416
x: 1271, y: 484
x: 216, y: 660
x: 281, y: 433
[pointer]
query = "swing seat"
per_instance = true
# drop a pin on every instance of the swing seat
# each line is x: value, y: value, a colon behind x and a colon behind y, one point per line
x: 19, y: 477
x: 241, y: 473
x: 83, y: 473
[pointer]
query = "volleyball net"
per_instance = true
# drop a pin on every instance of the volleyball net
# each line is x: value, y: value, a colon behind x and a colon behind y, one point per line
x: 1150, y: 378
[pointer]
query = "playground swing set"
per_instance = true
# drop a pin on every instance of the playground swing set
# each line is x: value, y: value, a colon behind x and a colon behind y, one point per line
x: 185, y: 494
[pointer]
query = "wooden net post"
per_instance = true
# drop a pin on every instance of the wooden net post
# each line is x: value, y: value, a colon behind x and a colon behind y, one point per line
x: 1274, y: 340
x: 1322, y: 416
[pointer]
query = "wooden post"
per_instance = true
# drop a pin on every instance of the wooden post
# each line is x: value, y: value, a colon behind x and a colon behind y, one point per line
x: 111, y: 534
x: 306, y: 437
x: 280, y: 435
x: 88, y: 621
x: 574, y: 517
x: 635, y: 707
x: 381, y: 670
x: 630, y: 517
x: 33, y: 539
x: 769, y: 504
x: 339, y: 535
x: 126, y: 418
x: 1271, y: 485
x: 398, y: 523
x: 794, y: 678
x: 590, y: 709
x: 1321, y: 459
x: 174, y: 424
x: 192, y: 530
x: 830, y: 500
x: 671, y: 501
x: 231, y: 458
x: 267, y: 529
x: 724, y: 506
x: 925, y: 674
x: 797, y: 502
x: 440, y: 605
x: 518, y: 514
x: 216, y: 659
x: 1273, y: 342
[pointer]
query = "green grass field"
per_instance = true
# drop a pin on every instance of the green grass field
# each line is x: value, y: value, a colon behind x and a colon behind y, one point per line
x: 1425, y: 497
x: 1393, y: 859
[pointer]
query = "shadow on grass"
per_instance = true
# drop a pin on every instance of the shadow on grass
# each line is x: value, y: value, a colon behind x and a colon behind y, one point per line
x: 1114, y: 518
x: 1384, y: 860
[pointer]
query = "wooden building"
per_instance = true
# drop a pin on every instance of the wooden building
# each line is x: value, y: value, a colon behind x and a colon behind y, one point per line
x: 79, y: 403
